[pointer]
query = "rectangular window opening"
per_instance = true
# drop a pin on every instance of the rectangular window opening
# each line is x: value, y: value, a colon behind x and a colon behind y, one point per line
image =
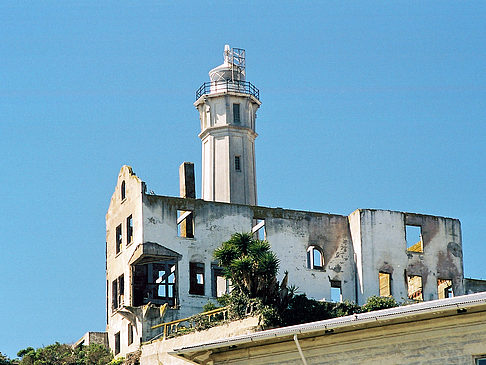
x: 236, y: 113
x: 117, y: 292
x: 129, y: 229
x: 117, y: 343
x: 118, y: 239
x: 259, y: 230
x: 336, y: 291
x: 444, y: 288
x: 237, y: 163
x: 413, y: 236
x: 220, y: 285
x: 185, y: 223
x: 130, y: 334
x: 415, y: 289
x: 196, y: 278
x: 154, y: 282
x: 385, y: 284
x: 481, y: 360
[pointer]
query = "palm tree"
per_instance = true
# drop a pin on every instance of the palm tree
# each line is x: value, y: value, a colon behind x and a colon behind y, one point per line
x: 251, y: 266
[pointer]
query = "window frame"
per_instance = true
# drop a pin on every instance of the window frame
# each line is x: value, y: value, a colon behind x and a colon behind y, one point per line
x: 118, y: 238
x: 236, y: 113
x: 117, y: 344
x: 129, y: 229
x: 146, y: 286
x: 311, y: 258
x: 196, y: 269
x: 123, y: 191
x: 238, y: 163
x: 217, y: 272
x: 384, y: 274
x: 412, y: 296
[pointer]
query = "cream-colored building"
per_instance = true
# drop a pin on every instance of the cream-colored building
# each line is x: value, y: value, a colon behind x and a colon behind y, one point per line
x: 448, y: 331
x: 159, y: 249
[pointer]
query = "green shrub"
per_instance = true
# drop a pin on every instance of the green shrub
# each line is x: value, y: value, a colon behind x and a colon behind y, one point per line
x: 376, y: 303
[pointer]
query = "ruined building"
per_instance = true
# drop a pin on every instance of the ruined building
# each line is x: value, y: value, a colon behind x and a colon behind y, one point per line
x: 159, y: 249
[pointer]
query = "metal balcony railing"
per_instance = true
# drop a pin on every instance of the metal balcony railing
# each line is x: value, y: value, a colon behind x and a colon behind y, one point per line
x: 172, y: 327
x: 244, y: 87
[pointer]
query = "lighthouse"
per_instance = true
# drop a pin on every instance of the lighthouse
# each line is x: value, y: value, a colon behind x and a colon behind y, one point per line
x: 227, y: 106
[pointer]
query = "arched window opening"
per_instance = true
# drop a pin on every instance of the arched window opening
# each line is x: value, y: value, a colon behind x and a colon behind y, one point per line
x: 315, y: 258
x: 123, y: 191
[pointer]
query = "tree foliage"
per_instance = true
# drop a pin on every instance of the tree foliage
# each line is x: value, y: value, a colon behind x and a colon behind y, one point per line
x: 5, y: 360
x: 252, y: 268
x: 62, y: 354
x: 250, y: 265
x: 374, y: 303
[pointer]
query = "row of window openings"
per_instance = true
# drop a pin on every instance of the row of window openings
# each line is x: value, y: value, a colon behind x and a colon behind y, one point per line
x: 119, y: 235
x: 156, y: 283
x: 129, y: 339
x: 185, y: 225
x: 415, y: 287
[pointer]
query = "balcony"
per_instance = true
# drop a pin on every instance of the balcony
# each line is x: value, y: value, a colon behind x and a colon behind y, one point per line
x: 213, y: 87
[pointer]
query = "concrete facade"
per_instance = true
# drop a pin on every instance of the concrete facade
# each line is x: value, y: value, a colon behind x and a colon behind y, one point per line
x: 353, y: 251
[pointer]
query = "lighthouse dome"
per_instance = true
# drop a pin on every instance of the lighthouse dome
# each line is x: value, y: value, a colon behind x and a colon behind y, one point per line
x: 229, y: 69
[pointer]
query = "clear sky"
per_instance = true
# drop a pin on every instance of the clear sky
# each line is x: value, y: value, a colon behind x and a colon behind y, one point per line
x: 378, y: 104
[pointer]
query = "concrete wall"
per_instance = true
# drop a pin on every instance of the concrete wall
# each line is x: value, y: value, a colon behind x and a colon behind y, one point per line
x: 354, y: 248
x: 289, y: 233
x: 474, y: 286
x: 156, y: 352
x: 222, y: 140
x: 448, y: 340
x: 380, y: 245
x: 117, y: 263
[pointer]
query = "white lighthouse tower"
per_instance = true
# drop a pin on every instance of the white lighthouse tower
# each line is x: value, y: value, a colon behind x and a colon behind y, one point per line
x: 227, y: 106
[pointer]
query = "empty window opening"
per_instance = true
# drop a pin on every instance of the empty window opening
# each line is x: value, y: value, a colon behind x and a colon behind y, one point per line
x: 220, y: 285
x: 315, y: 258
x: 413, y: 235
x: 481, y: 361
x: 185, y: 223
x: 385, y: 284
x: 154, y: 282
x: 236, y: 113
x: 129, y: 230
x: 123, y: 190
x: 237, y: 163
x: 117, y: 343
x: 336, y: 291
x: 118, y: 239
x: 130, y: 334
x: 258, y: 229
x: 415, y: 289
x: 196, y: 278
x: 117, y: 292
x: 444, y: 288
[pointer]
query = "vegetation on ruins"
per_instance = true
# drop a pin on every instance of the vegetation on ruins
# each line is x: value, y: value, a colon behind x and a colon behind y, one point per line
x: 252, y: 268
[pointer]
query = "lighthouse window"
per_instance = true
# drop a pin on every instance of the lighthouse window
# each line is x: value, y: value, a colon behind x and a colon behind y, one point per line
x: 237, y: 163
x: 236, y: 113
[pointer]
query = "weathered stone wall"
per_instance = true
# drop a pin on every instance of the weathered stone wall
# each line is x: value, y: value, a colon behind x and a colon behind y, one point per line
x: 380, y: 245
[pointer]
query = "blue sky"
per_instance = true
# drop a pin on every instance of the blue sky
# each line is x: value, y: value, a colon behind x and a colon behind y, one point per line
x: 365, y: 105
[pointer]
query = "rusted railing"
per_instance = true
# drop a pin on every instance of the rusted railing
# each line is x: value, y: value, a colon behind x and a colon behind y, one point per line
x: 173, y: 326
